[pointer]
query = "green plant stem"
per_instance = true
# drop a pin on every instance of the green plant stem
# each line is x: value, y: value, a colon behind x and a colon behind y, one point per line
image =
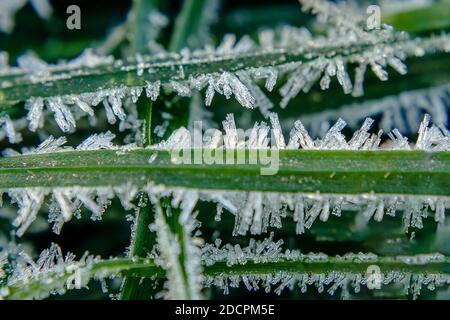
x: 177, y: 264
x: 433, y: 17
x: 142, y: 242
x: 135, y: 288
x: 41, y: 286
x: 37, y: 288
x: 348, y: 172
x: 19, y: 87
x: 143, y: 239
x: 187, y: 24
x: 141, y: 24
x: 145, y: 108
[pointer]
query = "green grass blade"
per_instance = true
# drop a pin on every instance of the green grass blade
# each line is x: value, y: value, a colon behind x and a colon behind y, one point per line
x: 432, y: 264
x: 39, y: 288
x: 348, y: 172
x: 142, y: 241
x: 432, y: 17
x: 19, y: 87
x: 189, y: 24
x: 140, y: 24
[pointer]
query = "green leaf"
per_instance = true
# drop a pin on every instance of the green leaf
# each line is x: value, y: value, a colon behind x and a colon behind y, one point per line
x: 142, y: 241
x: 189, y: 24
x: 346, y: 172
x: 435, y: 16
x: 43, y: 285
x: 425, y: 72
x: 140, y: 24
x: 39, y: 288
x: 19, y: 87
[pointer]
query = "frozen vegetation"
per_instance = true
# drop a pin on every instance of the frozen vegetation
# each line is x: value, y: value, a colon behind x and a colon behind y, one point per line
x: 129, y: 156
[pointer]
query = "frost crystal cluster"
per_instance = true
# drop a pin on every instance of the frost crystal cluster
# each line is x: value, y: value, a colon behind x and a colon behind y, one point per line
x: 8, y: 9
x: 254, y: 211
x: 145, y: 128
x: 312, y: 59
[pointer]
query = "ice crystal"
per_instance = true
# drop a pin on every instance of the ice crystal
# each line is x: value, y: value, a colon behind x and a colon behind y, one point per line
x: 387, y: 49
x: 277, y: 132
x: 62, y: 114
x: 231, y: 138
x: 257, y: 211
x: 57, y: 273
x: 345, y: 18
x: 35, y: 107
x: 257, y: 252
x: 402, y: 111
x: 3, y: 262
x: 259, y: 136
x: 254, y: 211
x: 54, y: 272
x: 115, y: 102
x: 66, y: 201
x: 9, y: 130
x: 29, y: 203
x: 97, y: 142
x: 152, y: 90
x: 8, y: 9
x: 50, y: 145
x: 228, y: 84
x: 170, y: 247
x: 38, y: 70
x: 261, y: 100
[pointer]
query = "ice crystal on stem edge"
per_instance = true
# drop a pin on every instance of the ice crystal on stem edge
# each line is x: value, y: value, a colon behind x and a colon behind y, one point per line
x: 314, y: 65
x: 184, y: 278
x: 56, y: 273
x: 254, y: 211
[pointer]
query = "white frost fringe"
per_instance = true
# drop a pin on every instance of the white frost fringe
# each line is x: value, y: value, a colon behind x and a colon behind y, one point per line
x: 266, y: 251
x: 58, y: 273
x: 386, y: 48
x: 52, y: 266
x: 254, y: 211
x: 169, y: 247
x: 402, y: 111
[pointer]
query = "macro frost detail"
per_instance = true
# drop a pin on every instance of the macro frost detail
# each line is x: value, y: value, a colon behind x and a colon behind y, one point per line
x: 231, y: 148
